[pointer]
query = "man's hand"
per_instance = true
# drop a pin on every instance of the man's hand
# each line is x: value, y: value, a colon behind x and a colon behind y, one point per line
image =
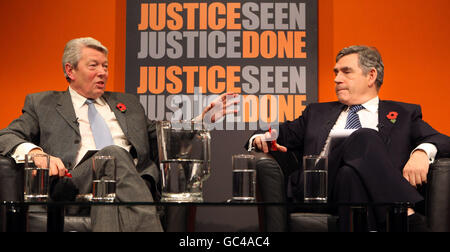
x: 56, y: 165
x: 219, y: 108
x: 260, y: 142
x: 416, y: 169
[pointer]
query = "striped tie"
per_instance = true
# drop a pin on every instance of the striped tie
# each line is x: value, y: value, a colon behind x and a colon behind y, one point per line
x: 101, y: 132
x: 353, y: 118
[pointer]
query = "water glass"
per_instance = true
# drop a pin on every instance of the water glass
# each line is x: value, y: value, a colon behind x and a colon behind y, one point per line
x: 244, y: 178
x: 36, y: 184
x: 104, y: 179
x: 315, y: 170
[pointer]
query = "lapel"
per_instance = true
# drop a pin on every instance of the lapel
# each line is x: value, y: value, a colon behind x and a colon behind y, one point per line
x: 65, y: 108
x: 120, y: 116
x: 329, y: 121
x: 384, y: 124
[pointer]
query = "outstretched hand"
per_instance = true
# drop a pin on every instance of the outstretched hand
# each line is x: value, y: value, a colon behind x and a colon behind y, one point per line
x: 219, y: 108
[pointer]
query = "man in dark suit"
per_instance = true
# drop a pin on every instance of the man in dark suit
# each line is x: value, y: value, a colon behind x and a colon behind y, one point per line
x: 59, y: 123
x: 384, y: 159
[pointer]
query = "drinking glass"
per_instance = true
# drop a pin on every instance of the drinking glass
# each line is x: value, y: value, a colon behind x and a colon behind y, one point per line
x: 104, y: 179
x: 244, y: 178
x: 315, y: 170
x: 36, y: 184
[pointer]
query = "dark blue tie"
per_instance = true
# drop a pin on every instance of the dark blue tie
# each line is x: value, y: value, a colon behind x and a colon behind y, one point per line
x: 353, y: 118
x: 101, y: 132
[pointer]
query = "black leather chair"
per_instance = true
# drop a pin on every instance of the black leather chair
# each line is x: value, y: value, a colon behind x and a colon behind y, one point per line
x: 272, y: 181
x: 34, y: 218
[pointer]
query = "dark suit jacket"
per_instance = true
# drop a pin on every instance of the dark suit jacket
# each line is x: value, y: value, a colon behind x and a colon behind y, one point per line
x: 309, y: 132
x: 49, y: 121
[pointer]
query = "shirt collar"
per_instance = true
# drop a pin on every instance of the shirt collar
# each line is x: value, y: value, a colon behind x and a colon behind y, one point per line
x: 79, y: 100
x: 372, y: 104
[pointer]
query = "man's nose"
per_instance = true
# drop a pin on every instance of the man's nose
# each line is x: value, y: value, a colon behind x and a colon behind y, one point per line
x: 338, y: 78
x: 102, y: 71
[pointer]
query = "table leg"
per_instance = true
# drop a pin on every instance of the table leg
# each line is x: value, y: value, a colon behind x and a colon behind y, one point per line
x: 397, y: 219
x: 55, y: 218
x: 16, y: 218
x: 359, y: 219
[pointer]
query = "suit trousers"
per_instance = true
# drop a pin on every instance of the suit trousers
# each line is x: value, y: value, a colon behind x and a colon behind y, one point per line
x: 360, y: 171
x: 130, y: 187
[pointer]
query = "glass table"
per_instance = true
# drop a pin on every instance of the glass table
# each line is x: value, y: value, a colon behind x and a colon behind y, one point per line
x: 14, y: 214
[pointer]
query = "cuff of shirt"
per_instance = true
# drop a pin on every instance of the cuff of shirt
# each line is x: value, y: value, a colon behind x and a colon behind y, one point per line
x: 430, y: 149
x: 250, y: 142
x: 22, y: 149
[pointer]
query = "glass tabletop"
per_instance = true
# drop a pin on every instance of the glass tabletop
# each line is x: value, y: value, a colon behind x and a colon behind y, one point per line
x: 16, y: 212
x: 305, y: 205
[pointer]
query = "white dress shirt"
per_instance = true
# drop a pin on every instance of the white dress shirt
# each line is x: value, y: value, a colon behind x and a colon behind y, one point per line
x: 87, y: 139
x: 369, y: 119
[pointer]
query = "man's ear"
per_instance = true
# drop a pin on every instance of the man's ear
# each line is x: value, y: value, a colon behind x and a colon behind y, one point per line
x: 69, y: 71
x: 372, y: 75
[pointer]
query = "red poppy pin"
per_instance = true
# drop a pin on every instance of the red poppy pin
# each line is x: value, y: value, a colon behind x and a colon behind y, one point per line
x: 121, y: 107
x: 392, y: 116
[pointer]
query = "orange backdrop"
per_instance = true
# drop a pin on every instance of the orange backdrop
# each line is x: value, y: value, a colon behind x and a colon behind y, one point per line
x: 411, y: 35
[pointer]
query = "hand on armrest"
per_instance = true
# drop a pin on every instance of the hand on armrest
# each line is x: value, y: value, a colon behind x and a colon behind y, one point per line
x: 260, y: 142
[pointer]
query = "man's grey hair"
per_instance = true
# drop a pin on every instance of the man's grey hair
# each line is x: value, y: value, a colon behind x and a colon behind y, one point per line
x: 72, y: 51
x: 369, y: 58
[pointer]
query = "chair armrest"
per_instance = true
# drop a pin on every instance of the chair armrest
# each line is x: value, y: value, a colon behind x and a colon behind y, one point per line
x: 270, y: 188
x: 11, y: 180
x: 270, y: 178
x: 438, y: 196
